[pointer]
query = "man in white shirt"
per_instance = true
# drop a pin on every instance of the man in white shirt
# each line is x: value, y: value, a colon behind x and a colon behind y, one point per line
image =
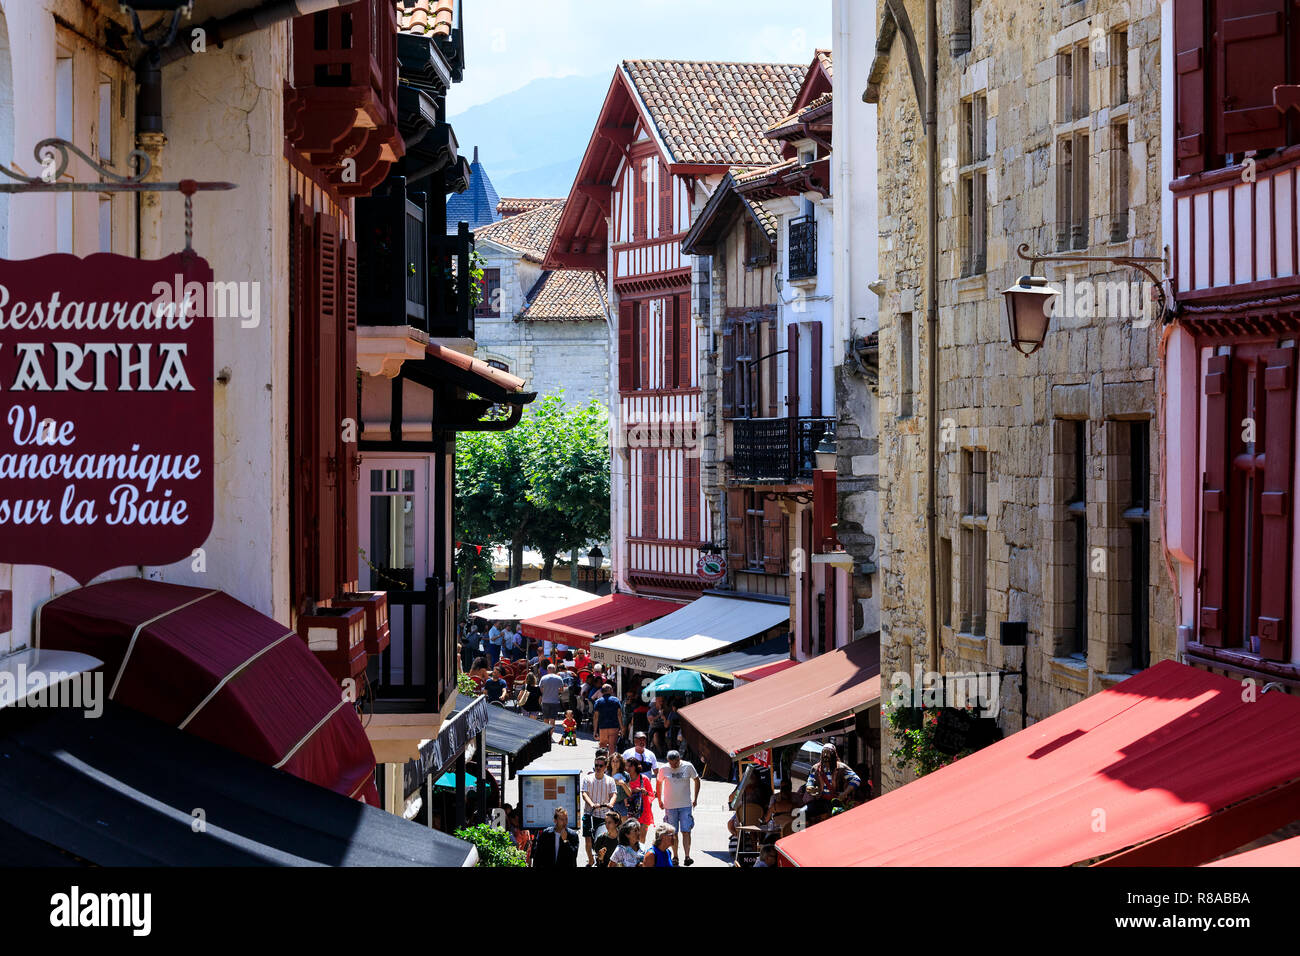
x: 598, y: 789
x: 639, y: 751
x: 673, y: 791
x: 494, y: 645
x: 552, y: 687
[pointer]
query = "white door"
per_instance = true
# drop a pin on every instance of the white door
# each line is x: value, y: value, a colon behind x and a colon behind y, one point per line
x: 395, y: 548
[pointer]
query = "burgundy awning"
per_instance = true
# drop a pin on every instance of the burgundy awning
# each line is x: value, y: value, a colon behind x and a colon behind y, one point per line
x: 581, y: 624
x: 201, y: 661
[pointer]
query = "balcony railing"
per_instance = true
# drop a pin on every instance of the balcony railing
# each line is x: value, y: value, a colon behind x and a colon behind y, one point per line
x: 803, y: 247
x: 406, y: 275
x: 780, y: 450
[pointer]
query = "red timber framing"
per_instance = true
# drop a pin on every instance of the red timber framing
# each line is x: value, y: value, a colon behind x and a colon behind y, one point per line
x: 323, y: 407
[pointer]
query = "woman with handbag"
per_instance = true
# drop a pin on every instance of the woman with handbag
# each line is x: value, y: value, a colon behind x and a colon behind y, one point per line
x: 639, y: 793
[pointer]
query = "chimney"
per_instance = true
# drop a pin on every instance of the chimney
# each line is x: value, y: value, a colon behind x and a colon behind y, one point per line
x: 475, y: 155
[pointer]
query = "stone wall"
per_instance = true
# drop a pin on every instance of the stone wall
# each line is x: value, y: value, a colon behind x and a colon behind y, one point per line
x: 1095, y: 367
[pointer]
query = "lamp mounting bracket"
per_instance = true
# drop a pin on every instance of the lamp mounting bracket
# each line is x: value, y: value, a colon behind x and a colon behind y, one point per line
x: 1140, y: 263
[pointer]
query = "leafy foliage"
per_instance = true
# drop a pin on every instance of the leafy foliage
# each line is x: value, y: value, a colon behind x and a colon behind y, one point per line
x: 542, y: 484
x: 495, y: 846
x: 916, y: 729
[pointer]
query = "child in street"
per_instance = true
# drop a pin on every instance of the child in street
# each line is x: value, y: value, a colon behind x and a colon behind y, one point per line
x: 570, y: 738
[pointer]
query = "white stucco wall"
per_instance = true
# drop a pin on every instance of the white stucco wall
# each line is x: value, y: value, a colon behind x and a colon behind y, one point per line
x: 222, y: 122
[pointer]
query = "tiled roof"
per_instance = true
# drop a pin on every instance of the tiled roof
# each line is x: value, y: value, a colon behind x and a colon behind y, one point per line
x: 791, y: 119
x: 527, y: 232
x: 513, y: 206
x: 477, y: 205
x: 825, y: 57
x: 743, y: 176
x: 426, y: 17
x: 566, y: 295
x: 715, y: 113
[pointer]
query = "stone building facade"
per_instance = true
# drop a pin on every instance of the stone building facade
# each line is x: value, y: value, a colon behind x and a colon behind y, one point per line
x: 549, y: 327
x: 1048, y: 467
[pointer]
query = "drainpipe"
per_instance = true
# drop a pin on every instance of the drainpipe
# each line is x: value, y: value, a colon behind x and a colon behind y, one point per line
x: 932, y: 320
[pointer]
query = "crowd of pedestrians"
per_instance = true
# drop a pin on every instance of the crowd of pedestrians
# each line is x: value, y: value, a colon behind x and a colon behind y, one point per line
x: 618, y: 826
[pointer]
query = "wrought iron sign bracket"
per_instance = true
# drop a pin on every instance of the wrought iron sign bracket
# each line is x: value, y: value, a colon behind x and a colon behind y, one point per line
x: 1139, y: 263
x: 52, y: 156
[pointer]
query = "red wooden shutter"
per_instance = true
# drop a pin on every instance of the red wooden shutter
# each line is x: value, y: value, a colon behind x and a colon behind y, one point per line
x: 350, y: 461
x: 1274, y: 628
x: 773, y: 537
x: 649, y: 492
x: 684, y: 350
x: 640, y: 190
x: 643, y: 342
x: 736, y: 528
x: 815, y: 353
x: 626, y: 345
x: 665, y: 201
x: 729, y: 370
x: 792, y: 370
x: 771, y: 365
x: 693, y: 529
x: 670, y: 344
x: 825, y: 506
x: 805, y: 584
x: 325, y: 458
x: 1214, y: 504
x: 1190, y: 77
x: 303, y: 357
x: 743, y: 364
x: 1251, y: 61
x: 828, y: 621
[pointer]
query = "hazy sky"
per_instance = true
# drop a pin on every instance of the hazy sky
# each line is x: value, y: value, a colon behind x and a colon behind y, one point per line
x: 511, y: 42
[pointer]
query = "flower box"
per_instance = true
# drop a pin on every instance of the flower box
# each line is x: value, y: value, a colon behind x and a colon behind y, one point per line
x: 375, y: 604
x: 337, y: 636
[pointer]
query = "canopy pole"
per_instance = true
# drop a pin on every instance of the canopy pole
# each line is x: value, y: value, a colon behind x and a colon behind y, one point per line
x: 481, y: 748
x: 460, y: 790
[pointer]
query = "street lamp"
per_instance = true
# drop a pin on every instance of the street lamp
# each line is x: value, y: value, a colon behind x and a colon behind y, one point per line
x: 1029, y: 309
x: 1029, y: 301
x: 594, y: 558
x: 825, y: 453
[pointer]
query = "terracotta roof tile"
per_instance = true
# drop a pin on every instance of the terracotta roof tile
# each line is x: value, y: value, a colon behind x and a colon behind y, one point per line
x: 526, y: 232
x: 791, y: 119
x: 825, y: 57
x: 715, y: 113
x: 512, y: 206
x: 566, y: 295
x: 426, y: 17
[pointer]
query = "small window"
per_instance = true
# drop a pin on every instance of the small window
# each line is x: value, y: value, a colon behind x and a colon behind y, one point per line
x: 1076, y: 506
x: 974, y: 185
x: 1119, y: 66
x: 490, y: 303
x: 906, y: 366
x: 1119, y: 189
x: 1138, y: 518
x: 974, y: 540
x: 758, y: 246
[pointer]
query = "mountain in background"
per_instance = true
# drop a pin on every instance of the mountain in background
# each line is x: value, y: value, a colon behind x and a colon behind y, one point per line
x: 531, y: 140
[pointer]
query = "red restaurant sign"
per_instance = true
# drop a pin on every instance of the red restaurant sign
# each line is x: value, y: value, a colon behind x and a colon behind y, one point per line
x: 106, y: 431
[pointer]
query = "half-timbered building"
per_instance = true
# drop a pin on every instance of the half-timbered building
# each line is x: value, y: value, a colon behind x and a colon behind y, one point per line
x: 1232, y: 121
x: 667, y: 133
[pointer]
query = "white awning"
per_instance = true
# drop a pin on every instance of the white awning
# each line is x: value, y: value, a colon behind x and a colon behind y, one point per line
x: 528, y: 600
x: 530, y: 590
x: 706, y: 626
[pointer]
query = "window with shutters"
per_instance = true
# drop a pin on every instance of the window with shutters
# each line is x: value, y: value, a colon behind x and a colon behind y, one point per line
x: 1073, y: 155
x: 1229, y: 57
x: 324, y: 390
x: 973, y: 175
x: 974, y: 524
x: 753, y: 530
x: 760, y: 250
x: 640, y: 200
x: 665, y: 201
x: 1245, y: 499
x: 490, y: 301
x: 649, y: 492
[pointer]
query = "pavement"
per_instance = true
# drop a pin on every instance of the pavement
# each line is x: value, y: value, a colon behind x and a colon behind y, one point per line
x: 708, y: 839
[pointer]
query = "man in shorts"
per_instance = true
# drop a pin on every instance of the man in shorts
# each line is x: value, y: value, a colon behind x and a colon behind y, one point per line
x: 551, y: 686
x: 673, y: 791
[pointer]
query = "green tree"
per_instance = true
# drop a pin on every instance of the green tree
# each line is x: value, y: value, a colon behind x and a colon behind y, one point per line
x: 542, y: 484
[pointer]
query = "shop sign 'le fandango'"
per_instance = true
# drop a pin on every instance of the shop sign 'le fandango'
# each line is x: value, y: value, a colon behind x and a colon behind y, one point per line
x: 106, y: 396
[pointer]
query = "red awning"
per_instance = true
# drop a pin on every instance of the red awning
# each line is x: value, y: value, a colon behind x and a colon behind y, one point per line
x: 786, y: 706
x: 765, y: 670
x: 201, y: 661
x: 1170, y: 767
x: 1282, y: 853
x: 579, y: 625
